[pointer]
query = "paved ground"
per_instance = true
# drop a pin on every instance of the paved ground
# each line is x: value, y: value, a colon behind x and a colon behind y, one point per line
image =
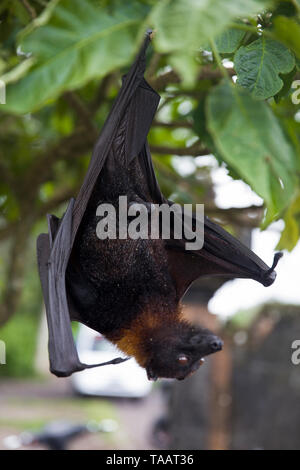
x: 32, y: 404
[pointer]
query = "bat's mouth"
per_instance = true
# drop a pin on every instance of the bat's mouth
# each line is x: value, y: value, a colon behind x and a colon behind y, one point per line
x: 151, y: 375
x: 215, y: 346
x: 218, y: 347
x: 212, y: 344
x: 194, y: 368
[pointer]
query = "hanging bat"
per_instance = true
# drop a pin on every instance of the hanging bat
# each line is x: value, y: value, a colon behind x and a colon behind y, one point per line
x: 130, y: 289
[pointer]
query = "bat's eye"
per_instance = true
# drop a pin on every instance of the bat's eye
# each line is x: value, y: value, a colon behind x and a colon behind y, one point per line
x: 182, y: 359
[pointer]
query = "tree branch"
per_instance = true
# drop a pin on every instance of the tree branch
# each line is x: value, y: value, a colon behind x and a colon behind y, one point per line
x: 250, y: 216
x: 30, y: 10
x: 82, y: 111
x: 7, y: 231
x: 59, y: 198
x: 6, y: 175
x: 15, y: 270
x: 102, y: 92
x: 160, y: 82
x: 207, y: 72
x: 67, y: 148
x: 173, y: 124
x: 194, y: 150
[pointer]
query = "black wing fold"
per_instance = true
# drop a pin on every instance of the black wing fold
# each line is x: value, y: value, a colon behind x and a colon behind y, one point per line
x: 221, y: 255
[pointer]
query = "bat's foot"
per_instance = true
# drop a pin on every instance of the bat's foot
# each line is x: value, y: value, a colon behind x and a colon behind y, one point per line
x: 151, y: 33
x: 270, y: 275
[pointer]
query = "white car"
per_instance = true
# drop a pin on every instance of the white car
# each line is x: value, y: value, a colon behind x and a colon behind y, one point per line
x: 127, y: 379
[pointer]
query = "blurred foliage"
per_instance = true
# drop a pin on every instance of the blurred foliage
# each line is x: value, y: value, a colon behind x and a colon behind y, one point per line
x: 42, y: 410
x: 186, y: 24
x: 19, y: 336
x: 224, y: 71
x: 20, y: 332
x: 247, y: 131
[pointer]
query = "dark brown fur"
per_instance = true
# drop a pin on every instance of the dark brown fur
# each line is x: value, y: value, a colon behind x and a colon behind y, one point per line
x: 124, y: 288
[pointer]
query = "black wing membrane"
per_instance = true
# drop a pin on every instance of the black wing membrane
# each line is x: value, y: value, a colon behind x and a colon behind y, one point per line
x: 222, y: 254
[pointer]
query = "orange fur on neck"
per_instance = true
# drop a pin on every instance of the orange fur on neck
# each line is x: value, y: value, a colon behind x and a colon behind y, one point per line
x: 132, y: 341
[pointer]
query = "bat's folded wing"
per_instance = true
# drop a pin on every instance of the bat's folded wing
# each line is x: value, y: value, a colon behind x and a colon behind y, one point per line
x: 221, y: 255
x: 53, y: 252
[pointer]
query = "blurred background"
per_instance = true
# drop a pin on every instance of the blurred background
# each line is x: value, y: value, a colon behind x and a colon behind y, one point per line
x: 226, y: 134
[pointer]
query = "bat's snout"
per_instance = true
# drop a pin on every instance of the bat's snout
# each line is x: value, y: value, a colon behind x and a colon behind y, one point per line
x: 216, y: 344
x: 206, y: 343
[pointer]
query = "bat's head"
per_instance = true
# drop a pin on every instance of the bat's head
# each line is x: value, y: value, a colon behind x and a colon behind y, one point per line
x: 178, y: 350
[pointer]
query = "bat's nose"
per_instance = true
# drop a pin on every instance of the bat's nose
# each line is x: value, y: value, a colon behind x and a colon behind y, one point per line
x: 216, y: 344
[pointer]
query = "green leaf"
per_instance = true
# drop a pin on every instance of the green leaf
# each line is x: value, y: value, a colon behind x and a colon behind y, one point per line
x: 188, y: 24
x: 259, y: 64
x: 287, y: 84
x: 229, y: 40
x: 200, y: 126
x: 291, y: 232
x: 74, y: 42
x: 250, y: 139
x: 287, y: 30
x: 186, y: 66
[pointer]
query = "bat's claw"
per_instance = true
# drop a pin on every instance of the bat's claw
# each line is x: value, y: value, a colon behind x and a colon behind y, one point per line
x: 270, y: 275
